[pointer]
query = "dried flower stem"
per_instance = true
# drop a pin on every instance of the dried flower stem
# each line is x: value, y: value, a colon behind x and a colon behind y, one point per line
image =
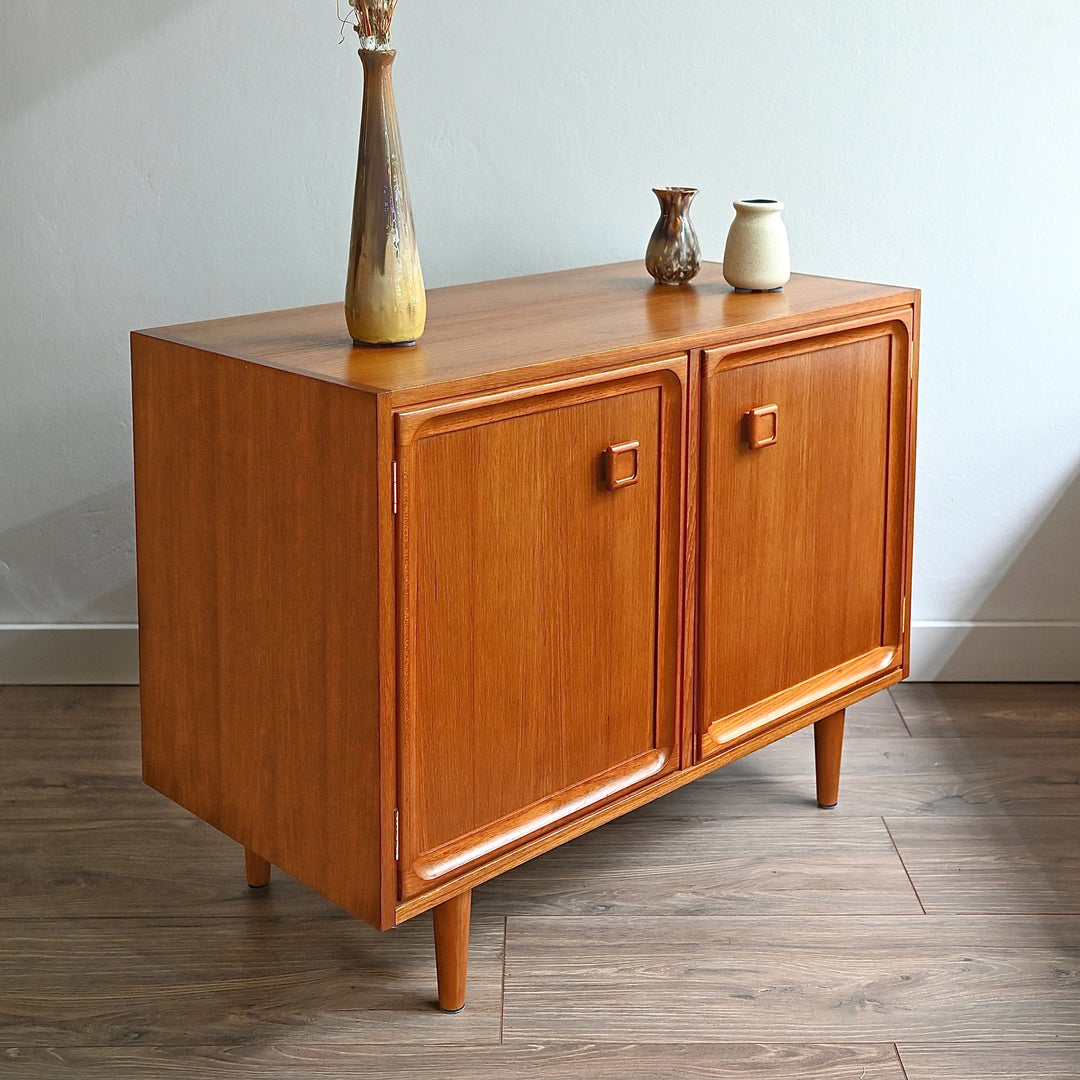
x: 373, y: 18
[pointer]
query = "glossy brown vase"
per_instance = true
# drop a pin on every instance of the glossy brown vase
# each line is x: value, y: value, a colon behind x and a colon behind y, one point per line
x: 674, y: 254
x: 385, y: 303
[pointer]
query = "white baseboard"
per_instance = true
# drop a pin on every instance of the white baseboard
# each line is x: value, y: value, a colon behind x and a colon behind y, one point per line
x: 69, y: 653
x: 995, y: 651
x: 108, y: 653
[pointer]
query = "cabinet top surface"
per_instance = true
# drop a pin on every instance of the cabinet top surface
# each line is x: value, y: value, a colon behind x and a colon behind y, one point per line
x: 479, y: 332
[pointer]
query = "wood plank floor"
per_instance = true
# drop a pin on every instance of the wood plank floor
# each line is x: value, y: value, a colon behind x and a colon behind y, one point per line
x: 927, y: 929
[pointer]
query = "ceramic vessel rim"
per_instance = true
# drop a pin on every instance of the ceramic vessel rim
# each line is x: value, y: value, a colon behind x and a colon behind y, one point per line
x: 675, y: 190
x: 758, y: 205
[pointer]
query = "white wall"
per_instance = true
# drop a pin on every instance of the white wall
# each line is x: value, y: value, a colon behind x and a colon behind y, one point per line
x: 168, y: 161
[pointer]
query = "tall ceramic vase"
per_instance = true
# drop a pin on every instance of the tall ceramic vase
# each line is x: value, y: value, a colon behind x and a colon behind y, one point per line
x: 385, y: 303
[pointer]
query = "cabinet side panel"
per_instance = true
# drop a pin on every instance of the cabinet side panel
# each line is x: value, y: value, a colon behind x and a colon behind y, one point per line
x: 257, y: 560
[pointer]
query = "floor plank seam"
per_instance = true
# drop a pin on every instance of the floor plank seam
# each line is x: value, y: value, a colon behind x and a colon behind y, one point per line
x: 900, y: 713
x: 790, y: 917
x: 900, y: 1061
x: 502, y: 994
x: 350, y: 920
x: 1007, y: 1040
x: 174, y: 921
x: 986, y: 913
x: 904, y: 865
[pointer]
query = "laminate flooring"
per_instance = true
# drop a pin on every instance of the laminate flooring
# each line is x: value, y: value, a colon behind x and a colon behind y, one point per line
x: 926, y: 929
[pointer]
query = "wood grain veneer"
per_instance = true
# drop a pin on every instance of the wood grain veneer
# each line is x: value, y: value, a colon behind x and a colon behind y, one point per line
x: 257, y: 557
x: 499, y: 333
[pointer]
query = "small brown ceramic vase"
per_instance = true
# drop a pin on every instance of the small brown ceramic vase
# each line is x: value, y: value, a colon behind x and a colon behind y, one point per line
x: 674, y: 254
x: 385, y: 303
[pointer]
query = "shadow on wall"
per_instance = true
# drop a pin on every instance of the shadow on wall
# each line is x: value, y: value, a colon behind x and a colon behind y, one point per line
x: 75, y: 565
x: 1027, y: 628
x: 46, y: 45
x: 67, y: 594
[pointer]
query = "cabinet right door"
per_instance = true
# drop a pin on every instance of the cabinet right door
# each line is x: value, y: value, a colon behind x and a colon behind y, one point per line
x: 805, y: 463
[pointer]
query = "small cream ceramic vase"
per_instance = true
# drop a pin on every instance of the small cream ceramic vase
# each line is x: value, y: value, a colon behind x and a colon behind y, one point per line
x: 757, y: 258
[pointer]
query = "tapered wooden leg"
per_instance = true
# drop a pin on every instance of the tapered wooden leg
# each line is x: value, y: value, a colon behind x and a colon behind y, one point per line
x: 258, y: 870
x: 452, y: 950
x: 828, y: 744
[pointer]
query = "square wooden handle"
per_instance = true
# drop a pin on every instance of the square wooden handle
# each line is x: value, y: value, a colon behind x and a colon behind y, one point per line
x: 621, y: 465
x: 762, y: 427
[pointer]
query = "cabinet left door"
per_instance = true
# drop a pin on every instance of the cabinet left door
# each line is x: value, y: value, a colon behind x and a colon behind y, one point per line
x: 539, y: 538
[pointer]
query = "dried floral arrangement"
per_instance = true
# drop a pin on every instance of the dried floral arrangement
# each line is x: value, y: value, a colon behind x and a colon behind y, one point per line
x: 371, y: 20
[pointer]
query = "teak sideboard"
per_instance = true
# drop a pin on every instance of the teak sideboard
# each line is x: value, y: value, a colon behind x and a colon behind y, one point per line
x: 412, y: 616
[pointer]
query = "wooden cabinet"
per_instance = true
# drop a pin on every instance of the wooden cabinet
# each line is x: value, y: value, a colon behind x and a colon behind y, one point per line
x: 409, y: 617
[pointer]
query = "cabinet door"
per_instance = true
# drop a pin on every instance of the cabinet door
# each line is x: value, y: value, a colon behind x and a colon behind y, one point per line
x: 804, y: 451
x: 539, y: 594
